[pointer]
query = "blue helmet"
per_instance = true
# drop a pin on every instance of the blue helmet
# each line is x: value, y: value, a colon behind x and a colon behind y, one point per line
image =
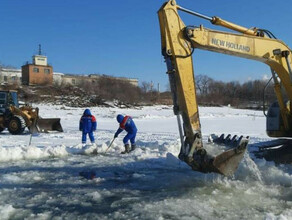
x: 120, y: 118
x: 87, y: 112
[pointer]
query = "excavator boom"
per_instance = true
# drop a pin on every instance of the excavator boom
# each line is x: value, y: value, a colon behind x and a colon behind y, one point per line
x: 177, y: 51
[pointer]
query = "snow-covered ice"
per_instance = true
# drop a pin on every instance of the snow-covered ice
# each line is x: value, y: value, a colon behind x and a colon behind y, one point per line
x: 42, y: 181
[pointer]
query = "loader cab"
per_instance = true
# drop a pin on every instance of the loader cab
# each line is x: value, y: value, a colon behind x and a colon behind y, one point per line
x: 8, y: 98
x: 13, y: 99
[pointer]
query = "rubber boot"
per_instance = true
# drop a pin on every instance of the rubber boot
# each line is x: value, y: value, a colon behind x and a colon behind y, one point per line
x: 127, y: 149
x: 133, y: 147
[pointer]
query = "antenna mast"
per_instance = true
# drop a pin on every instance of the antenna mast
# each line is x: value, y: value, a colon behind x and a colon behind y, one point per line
x: 40, y: 49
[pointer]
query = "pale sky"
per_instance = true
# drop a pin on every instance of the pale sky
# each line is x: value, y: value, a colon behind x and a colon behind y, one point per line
x: 122, y: 38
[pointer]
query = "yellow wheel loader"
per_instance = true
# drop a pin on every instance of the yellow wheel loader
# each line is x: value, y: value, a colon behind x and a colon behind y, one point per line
x: 16, y: 118
x: 178, y: 43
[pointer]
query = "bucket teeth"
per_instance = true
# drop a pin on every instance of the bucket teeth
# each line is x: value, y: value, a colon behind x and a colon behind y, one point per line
x: 229, y: 141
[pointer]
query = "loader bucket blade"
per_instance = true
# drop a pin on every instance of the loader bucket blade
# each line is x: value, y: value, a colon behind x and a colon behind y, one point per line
x: 49, y: 124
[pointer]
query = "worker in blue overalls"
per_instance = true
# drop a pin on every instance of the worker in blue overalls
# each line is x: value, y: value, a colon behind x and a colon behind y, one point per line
x: 127, y: 124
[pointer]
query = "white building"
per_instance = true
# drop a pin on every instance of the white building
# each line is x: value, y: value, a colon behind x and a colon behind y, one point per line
x: 57, y: 78
x: 10, y: 76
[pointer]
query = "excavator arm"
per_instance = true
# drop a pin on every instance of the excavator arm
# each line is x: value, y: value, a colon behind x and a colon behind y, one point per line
x: 178, y: 44
x: 272, y: 52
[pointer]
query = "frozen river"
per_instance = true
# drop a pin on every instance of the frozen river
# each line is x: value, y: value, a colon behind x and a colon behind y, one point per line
x: 42, y: 181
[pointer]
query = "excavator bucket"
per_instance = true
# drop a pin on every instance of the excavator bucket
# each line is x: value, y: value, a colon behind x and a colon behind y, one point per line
x: 45, y: 125
x: 225, y: 163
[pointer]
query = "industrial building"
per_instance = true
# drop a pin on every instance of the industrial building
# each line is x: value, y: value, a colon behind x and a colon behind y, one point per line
x: 38, y: 72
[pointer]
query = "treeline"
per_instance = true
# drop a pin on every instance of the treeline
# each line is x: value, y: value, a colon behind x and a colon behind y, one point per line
x: 102, y: 92
x: 121, y: 91
x: 209, y: 93
x: 240, y: 95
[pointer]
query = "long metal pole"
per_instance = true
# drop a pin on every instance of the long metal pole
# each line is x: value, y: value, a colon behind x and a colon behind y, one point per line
x: 33, y: 130
x: 110, y: 145
x: 180, y: 130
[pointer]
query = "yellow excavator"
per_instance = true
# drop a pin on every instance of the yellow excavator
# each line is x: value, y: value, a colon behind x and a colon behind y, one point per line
x: 178, y: 43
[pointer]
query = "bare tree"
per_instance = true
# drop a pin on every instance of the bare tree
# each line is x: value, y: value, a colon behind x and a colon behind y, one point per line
x: 7, y: 66
x: 203, y: 83
x: 145, y: 87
